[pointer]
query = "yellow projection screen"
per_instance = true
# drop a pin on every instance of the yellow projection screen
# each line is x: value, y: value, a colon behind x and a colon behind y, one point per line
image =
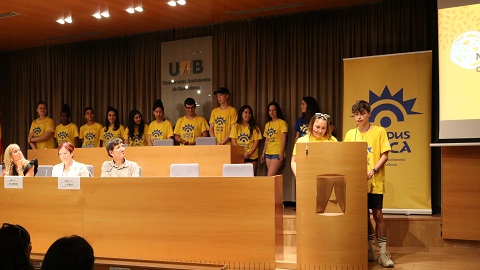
x: 459, y: 68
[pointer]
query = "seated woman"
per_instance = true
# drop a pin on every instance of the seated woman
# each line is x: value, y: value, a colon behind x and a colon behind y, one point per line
x: 15, y: 164
x: 15, y: 248
x: 68, y: 167
x: 70, y: 252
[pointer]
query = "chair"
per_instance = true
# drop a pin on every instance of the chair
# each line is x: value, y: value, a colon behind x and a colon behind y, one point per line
x: 206, y: 141
x: 90, y: 169
x: 139, y: 171
x: 166, y: 142
x: 44, y: 170
x: 125, y: 145
x: 185, y: 170
x: 88, y: 146
x: 245, y: 169
x: 1, y: 168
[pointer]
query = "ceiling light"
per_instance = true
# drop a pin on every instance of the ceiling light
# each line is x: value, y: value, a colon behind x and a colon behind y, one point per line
x: 130, y: 10
x: 97, y: 15
x: 105, y: 14
x: 65, y: 20
x: 181, y: 2
x: 171, y: 3
x: 139, y: 9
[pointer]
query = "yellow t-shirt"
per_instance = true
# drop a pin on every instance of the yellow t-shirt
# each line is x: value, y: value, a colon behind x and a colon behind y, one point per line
x: 66, y: 133
x: 91, y: 134
x: 160, y: 131
x: 222, y: 120
x: 39, y: 127
x: 136, y: 140
x: 189, y: 130
x: 377, y: 144
x: 313, y: 139
x: 273, y: 133
x: 111, y: 134
x: 242, y: 136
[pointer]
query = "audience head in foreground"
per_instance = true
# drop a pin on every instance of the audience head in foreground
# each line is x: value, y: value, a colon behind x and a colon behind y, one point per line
x: 70, y: 252
x: 15, y: 248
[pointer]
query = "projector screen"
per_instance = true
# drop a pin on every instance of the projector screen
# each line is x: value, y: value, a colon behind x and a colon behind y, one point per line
x: 459, y: 69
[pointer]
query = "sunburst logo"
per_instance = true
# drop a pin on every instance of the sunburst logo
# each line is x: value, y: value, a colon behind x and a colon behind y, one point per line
x: 62, y: 135
x: 108, y: 136
x: 157, y: 133
x: 90, y: 136
x: 270, y: 132
x: 390, y: 106
x: 188, y: 128
x: 243, y: 137
x: 220, y: 120
x: 37, y: 130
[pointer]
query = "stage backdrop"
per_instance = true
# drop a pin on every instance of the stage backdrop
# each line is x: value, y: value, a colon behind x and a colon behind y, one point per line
x: 187, y: 72
x: 398, y: 88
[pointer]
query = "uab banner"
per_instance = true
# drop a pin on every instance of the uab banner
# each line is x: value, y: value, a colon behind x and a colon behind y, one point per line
x: 398, y: 88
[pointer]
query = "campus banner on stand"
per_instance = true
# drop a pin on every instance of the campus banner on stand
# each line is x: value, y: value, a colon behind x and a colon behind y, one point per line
x: 186, y: 71
x: 398, y: 88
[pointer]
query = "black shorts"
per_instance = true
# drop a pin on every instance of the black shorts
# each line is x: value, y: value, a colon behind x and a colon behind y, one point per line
x: 375, y: 201
x: 248, y: 160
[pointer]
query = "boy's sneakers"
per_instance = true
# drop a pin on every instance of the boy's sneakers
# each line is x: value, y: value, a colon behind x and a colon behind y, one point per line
x: 372, y: 255
x: 385, y: 260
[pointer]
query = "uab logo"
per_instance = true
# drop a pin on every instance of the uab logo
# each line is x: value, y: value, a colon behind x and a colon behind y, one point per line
x: 190, y: 67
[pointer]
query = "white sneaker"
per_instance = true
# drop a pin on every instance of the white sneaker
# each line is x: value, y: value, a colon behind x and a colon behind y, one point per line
x: 372, y: 255
x: 385, y: 260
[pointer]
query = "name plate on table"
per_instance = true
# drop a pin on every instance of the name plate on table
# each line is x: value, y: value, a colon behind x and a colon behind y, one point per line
x: 13, y: 182
x: 69, y: 182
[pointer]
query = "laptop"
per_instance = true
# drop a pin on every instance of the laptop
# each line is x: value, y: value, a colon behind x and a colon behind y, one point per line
x: 185, y: 170
x: 44, y: 170
x: 245, y: 169
x: 206, y: 141
x: 166, y: 142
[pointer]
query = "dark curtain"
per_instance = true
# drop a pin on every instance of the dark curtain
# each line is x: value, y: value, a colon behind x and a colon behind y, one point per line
x: 281, y: 58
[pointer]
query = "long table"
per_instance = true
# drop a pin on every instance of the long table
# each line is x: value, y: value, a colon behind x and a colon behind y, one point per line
x: 235, y: 221
x: 154, y: 160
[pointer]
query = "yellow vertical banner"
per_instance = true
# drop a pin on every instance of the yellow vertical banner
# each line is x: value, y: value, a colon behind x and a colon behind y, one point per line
x: 399, y: 89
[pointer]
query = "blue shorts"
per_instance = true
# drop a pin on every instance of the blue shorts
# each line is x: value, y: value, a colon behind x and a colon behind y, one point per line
x: 274, y: 156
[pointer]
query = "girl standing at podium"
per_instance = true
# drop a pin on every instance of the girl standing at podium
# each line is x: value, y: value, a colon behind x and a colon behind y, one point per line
x: 318, y: 130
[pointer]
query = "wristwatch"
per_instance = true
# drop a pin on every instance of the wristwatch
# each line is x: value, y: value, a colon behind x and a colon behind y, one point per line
x: 374, y: 170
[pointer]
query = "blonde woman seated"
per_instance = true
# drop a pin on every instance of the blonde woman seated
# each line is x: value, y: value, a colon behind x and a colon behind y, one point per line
x: 15, y: 164
x: 318, y: 131
x: 68, y: 167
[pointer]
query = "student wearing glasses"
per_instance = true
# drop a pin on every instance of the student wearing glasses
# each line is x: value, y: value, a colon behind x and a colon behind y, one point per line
x: 190, y: 126
x: 15, y: 248
x: 318, y: 130
x: 118, y: 166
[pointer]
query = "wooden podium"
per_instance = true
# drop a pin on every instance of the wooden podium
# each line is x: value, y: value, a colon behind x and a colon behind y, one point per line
x: 332, y: 206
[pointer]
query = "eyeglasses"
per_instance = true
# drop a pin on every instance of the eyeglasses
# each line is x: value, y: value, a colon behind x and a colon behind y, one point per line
x: 322, y: 115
